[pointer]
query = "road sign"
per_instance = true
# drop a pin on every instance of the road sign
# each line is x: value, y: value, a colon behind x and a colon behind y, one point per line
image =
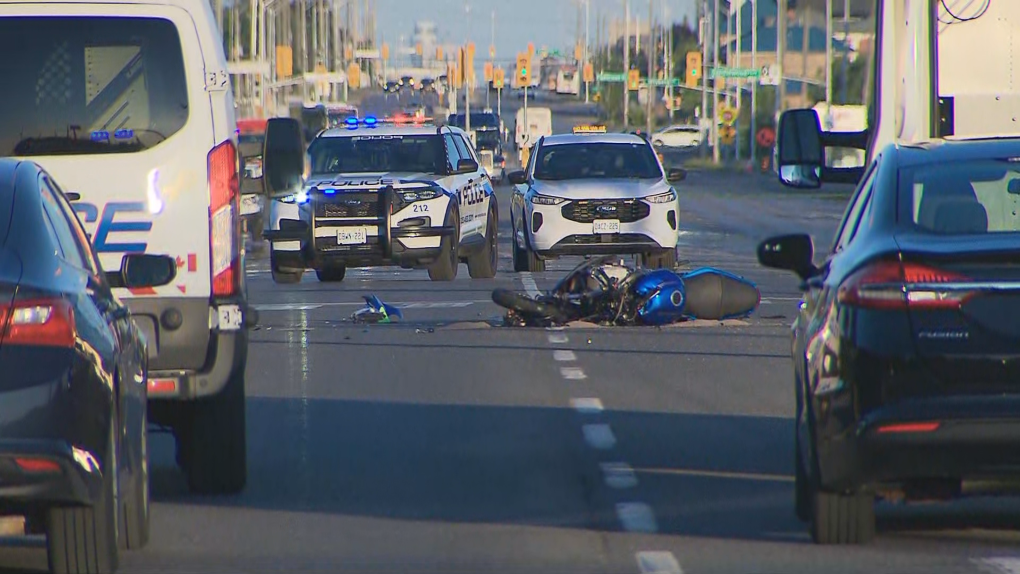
x: 728, y: 115
x: 770, y: 75
x: 589, y: 73
x: 735, y: 73
x: 675, y: 82
x: 612, y: 77
x: 727, y: 135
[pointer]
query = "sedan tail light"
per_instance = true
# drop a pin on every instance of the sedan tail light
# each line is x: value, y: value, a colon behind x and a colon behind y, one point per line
x: 39, y: 322
x: 896, y: 285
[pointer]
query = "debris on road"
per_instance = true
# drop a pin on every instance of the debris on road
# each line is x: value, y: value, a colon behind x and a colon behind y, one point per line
x: 375, y: 311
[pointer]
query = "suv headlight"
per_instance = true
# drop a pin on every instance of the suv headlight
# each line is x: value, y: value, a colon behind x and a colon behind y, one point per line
x: 299, y: 197
x: 667, y: 197
x: 412, y: 195
x: 539, y: 199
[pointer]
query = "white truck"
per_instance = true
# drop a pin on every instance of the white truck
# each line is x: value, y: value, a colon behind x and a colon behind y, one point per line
x: 539, y: 123
x: 938, y: 72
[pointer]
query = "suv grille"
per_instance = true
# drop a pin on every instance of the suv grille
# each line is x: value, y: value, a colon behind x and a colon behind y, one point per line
x: 348, y: 205
x: 588, y: 210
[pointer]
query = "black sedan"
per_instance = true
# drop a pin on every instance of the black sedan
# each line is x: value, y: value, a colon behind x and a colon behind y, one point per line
x: 906, y: 350
x: 72, y: 379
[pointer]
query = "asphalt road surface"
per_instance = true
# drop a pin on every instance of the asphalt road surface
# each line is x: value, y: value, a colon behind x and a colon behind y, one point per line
x: 446, y: 444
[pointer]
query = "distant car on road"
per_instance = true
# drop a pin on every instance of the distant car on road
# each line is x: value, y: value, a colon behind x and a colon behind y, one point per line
x: 677, y: 136
x: 905, y: 347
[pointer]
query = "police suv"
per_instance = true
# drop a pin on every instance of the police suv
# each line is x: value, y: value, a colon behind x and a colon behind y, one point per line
x: 593, y: 193
x: 386, y: 192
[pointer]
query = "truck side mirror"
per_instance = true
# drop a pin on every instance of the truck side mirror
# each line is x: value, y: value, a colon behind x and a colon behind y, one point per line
x: 800, y: 149
x: 283, y: 160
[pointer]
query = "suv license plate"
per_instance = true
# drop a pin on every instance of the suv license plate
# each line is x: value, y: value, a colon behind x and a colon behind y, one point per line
x: 352, y: 236
x: 606, y: 226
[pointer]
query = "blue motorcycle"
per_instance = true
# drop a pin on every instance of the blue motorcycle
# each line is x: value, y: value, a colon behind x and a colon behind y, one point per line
x: 599, y: 291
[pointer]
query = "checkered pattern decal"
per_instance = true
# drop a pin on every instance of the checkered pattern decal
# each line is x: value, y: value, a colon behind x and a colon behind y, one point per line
x: 54, y: 84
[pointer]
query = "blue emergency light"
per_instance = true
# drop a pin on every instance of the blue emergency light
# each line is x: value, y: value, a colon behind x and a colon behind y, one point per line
x: 370, y: 121
x: 352, y: 123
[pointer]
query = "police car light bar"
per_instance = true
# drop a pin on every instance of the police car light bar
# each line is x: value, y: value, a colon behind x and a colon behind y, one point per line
x: 353, y: 122
x: 589, y: 129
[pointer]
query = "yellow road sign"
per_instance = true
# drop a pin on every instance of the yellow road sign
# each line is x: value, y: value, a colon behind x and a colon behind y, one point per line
x: 728, y: 115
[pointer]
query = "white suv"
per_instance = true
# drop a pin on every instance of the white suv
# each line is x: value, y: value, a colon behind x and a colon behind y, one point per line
x: 128, y: 105
x: 379, y: 194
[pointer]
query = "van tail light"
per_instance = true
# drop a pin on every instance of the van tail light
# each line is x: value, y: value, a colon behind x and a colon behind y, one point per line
x: 224, y: 224
x: 896, y: 285
x: 38, y: 322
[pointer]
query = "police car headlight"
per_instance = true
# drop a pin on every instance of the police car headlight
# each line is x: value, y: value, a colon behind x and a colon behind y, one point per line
x: 546, y: 200
x: 667, y: 197
x: 299, y: 197
x: 420, y: 194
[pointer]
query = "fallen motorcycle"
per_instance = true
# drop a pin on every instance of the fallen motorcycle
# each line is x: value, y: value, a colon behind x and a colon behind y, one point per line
x: 607, y: 293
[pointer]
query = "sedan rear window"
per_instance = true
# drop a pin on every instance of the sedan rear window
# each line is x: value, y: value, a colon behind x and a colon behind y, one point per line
x: 963, y: 197
x: 89, y: 85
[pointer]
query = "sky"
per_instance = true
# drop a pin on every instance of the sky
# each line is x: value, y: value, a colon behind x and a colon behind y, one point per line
x: 549, y: 23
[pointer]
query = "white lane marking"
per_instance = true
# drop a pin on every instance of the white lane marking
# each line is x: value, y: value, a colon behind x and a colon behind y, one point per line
x: 599, y: 436
x: 636, y: 517
x: 718, y: 474
x: 573, y: 373
x: 618, y: 475
x: 400, y: 304
x: 1004, y: 565
x: 658, y: 562
x: 564, y: 356
x: 557, y: 338
x: 529, y: 284
x: 587, y: 406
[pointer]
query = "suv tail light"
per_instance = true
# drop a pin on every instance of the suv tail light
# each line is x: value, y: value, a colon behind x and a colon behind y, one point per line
x: 40, y: 322
x: 896, y: 285
x: 224, y: 224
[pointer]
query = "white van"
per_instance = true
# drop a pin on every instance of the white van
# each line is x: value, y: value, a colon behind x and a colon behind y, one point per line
x: 539, y: 125
x: 128, y: 104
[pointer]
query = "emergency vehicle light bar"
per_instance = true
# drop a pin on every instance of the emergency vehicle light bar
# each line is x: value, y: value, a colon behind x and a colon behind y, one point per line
x: 589, y: 129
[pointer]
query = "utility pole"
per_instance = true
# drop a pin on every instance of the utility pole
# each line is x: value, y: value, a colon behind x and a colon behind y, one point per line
x: 740, y: 85
x: 754, y: 84
x: 587, y: 32
x: 703, y: 119
x: 846, y: 51
x: 466, y: 74
x: 649, y: 91
x: 492, y: 62
x: 626, y: 61
x: 781, y: 21
x: 715, y: 84
x: 303, y: 23
x: 828, y: 65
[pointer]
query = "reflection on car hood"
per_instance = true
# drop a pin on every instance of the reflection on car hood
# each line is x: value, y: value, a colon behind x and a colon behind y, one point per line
x: 601, y: 188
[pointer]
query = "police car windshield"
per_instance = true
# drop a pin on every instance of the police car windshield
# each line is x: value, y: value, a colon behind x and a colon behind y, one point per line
x: 596, y: 160
x: 378, y: 154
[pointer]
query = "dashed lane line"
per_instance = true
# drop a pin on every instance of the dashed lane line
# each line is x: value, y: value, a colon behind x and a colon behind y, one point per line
x: 763, y: 477
x: 599, y: 436
x: 573, y: 373
x: 564, y: 356
x: 636, y: 517
x: 558, y: 338
x: 658, y: 562
x: 618, y: 475
x: 587, y: 406
x: 1003, y: 565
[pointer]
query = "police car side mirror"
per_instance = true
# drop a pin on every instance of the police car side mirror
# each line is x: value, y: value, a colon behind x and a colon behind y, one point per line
x: 283, y: 156
x: 143, y: 270
x: 467, y: 166
x: 517, y: 177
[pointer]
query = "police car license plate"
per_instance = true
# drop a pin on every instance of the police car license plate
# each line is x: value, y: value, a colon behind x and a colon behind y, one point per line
x: 250, y: 204
x: 606, y: 226
x: 352, y: 236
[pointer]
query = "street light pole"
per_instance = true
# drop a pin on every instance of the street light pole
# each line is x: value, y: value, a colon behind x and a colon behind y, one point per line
x: 703, y: 29
x: 467, y: 83
x: 651, y: 67
x: 626, y: 60
x: 715, y: 91
x: 584, y: 66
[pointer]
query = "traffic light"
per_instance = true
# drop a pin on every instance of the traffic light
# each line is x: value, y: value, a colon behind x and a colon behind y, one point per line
x: 439, y: 54
x: 488, y: 72
x: 354, y: 75
x: 417, y: 48
x: 523, y: 70
x: 589, y: 73
x: 385, y: 52
x: 498, y: 78
x: 693, y: 69
x: 461, y: 70
x: 633, y: 80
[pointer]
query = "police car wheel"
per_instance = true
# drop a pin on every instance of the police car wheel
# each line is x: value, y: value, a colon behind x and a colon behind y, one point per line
x: 333, y: 274
x: 446, y: 265
x: 482, y: 265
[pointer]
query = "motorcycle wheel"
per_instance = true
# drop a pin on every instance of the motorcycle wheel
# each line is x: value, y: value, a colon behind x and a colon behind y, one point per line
x: 528, y: 307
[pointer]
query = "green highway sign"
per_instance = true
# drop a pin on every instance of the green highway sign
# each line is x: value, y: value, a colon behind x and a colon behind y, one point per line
x: 735, y: 73
x: 665, y: 82
x: 612, y: 77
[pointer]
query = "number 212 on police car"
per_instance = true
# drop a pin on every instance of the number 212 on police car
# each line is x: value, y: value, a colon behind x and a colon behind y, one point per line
x: 352, y: 236
x: 606, y: 226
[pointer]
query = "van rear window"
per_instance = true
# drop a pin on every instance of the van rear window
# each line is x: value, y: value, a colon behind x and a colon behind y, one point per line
x: 89, y: 85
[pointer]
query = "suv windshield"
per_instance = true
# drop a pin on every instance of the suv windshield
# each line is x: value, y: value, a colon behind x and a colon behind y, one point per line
x: 87, y: 85
x: 602, y: 160
x: 378, y: 154
x: 963, y: 197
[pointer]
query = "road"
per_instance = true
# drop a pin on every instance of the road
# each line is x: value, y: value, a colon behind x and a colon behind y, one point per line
x: 448, y: 444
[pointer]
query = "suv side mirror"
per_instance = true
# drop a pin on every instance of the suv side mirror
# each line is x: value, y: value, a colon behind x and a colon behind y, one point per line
x: 283, y: 157
x: 801, y: 155
x: 143, y: 270
x: 517, y: 177
x: 467, y: 166
x: 789, y: 252
x: 676, y: 175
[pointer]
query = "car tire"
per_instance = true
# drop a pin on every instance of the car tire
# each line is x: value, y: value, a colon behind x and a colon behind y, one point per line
x: 83, y: 539
x: 255, y: 227
x: 525, y: 260
x: 801, y: 486
x: 283, y: 277
x: 136, y: 504
x: 212, y: 440
x: 482, y: 265
x: 842, y: 518
x: 333, y: 274
x: 664, y: 260
x: 446, y: 265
